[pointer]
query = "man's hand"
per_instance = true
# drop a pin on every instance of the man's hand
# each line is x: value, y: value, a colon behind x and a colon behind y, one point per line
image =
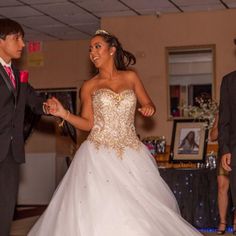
x: 55, y: 108
x: 225, y: 161
x: 49, y: 106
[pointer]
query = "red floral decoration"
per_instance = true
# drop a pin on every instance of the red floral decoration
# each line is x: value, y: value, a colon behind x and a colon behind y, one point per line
x: 24, y: 75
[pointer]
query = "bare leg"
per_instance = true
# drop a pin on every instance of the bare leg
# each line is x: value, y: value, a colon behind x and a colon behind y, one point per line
x: 223, y: 187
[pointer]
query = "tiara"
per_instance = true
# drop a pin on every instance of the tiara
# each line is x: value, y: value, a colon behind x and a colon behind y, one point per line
x: 101, y: 31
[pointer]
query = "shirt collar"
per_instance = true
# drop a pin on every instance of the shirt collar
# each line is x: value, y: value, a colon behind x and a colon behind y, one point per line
x: 4, y: 63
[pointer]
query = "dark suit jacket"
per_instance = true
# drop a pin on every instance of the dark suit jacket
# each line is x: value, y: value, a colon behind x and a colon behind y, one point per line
x: 227, y: 116
x: 12, y: 110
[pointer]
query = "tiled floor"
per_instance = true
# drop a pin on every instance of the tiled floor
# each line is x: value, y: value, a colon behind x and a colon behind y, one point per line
x: 21, y: 227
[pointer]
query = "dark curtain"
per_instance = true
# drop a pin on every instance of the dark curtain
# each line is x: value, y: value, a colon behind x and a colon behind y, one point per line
x: 68, y: 98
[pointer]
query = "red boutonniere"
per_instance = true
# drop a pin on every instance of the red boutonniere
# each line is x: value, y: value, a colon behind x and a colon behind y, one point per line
x: 24, y: 75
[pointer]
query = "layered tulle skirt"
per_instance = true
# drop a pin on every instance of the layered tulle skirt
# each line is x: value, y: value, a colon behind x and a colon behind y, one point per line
x: 106, y: 195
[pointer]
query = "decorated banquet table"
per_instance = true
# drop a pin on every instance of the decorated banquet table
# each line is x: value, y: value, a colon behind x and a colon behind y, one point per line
x: 196, y: 192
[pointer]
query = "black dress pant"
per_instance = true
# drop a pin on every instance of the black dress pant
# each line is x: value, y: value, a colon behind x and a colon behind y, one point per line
x: 232, y: 176
x: 9, y: 181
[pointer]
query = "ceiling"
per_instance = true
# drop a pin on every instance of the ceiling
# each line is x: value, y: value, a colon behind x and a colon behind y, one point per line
x: 45, y: 20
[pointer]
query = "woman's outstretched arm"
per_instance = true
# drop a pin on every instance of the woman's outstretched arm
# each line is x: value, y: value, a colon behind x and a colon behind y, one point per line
x: 84, y: 121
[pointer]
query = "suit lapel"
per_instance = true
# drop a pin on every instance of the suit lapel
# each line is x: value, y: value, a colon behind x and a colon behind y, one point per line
x: 17, y: 79
x: 8, y: 82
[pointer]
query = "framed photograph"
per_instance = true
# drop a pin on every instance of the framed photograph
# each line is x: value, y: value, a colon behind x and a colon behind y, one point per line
x: 189, y: 141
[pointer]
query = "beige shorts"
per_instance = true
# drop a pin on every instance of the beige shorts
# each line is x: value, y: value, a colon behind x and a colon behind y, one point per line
x: 220, y: 169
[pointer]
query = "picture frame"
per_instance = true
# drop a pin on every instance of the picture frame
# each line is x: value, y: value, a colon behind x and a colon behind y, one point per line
x: 189, y: 141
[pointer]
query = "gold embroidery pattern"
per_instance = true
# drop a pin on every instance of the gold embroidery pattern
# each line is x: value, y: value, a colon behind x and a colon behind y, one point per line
x: 114, y: 120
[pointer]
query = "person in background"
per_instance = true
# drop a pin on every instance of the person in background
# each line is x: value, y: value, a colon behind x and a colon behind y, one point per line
x: 15, y: 95
x: 227, y: 132
x: 223, y: 183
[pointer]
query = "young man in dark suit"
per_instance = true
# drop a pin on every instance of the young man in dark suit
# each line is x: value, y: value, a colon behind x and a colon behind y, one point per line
x: 15, y: 95
x: 227, y: 132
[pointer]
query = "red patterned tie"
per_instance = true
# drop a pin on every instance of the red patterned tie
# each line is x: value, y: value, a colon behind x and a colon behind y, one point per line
x: 10, y: 74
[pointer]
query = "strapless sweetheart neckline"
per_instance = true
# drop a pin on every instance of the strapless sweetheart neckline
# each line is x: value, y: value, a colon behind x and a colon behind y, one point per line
x: 112, y: 91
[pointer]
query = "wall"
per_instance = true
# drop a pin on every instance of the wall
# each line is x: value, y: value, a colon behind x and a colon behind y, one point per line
x: 147, y: 37
x: 66, y: 65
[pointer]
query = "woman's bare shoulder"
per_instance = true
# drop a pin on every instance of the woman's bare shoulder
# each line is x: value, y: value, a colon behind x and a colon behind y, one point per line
x: 89, y: 85
x: 129, y: 73
x: 129, y: 76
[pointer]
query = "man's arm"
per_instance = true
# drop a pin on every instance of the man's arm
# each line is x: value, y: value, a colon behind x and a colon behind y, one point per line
x: 224, y: 124
x: 35, y: 101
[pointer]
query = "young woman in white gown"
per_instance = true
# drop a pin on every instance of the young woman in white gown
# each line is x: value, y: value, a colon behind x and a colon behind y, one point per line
x: 113, y: 187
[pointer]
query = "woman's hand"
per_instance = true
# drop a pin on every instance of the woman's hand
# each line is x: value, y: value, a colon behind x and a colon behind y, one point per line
x: 55, y: 108
x: 147, y: 110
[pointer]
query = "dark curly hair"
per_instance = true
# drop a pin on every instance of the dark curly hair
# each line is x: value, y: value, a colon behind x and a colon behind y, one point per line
x: 122, y: 58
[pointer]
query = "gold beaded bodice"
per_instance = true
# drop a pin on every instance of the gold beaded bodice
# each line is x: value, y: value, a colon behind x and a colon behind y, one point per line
x: 114, y: 120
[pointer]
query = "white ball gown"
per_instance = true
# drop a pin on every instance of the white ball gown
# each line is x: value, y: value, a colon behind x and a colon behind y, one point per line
x: 113, y: 187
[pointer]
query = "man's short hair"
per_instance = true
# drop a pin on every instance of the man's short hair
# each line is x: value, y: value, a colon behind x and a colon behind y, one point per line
x: 8, y: 27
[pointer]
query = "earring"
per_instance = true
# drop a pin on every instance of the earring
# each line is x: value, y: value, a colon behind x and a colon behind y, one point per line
x: 111, y: 53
